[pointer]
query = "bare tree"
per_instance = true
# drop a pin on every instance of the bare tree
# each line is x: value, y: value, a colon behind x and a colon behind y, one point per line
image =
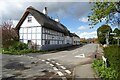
x: 9, y: 34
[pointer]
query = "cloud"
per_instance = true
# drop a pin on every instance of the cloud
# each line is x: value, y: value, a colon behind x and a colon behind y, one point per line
x: 88, y: 34
x: 15, y: 9
x: 83, y: 19
x: 82, y: 28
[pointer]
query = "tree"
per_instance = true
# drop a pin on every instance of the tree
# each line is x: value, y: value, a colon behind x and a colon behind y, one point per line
x: 101, y: 33
x: 9, y: 34
x: 105, y: 11
x: 117, y: 31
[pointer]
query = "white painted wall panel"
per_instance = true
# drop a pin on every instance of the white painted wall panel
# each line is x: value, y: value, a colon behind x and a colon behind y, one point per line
x: 29, y: 24
x: 38, y: 36
x: 25, y: 36
x: 29, y: 30
x: 38, y: 29
x: 25, y: 30
x: 21, y: 36
x: 34, y: 30
x: 33, y: 36
x: 38, y: 42
x: 29, y: 37
x: 25, y: 41
x: 21, y: 30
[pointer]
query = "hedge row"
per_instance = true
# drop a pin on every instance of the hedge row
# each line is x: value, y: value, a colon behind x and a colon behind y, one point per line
x: 106, y: 73
x: 112, y: 53
x: 19, y: 52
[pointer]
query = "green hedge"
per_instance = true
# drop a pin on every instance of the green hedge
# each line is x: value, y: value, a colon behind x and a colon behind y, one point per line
x: 19, y: 48
x: 112, y: 53
x: 19, y: 52
x: 104, y: 72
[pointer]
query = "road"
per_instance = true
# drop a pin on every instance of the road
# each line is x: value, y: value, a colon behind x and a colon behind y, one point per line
x: 60, y: 64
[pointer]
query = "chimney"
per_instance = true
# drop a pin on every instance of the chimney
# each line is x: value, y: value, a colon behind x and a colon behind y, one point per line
x: 57, y: 20
x: 45, y: 11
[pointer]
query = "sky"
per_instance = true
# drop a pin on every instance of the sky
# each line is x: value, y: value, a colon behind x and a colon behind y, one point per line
x: 71, y: 14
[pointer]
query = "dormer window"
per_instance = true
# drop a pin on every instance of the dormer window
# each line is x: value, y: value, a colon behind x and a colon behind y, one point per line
x: 29, y: 19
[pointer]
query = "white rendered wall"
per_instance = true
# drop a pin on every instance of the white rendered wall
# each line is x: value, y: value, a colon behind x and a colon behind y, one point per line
x: 76, y: 40
x: 68, y: 40
x: 30, y: 31
x: 33, y: 23
x: 52, y: 36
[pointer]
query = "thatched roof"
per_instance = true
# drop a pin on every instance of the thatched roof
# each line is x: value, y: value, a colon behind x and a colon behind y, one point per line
x: 44, y: 20
x: 73, y: 34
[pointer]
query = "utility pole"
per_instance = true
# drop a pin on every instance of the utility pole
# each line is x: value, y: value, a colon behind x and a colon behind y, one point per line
x: 107, y: 38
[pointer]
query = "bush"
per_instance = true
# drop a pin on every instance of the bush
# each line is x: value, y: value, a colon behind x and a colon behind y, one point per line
x: 106, y: 73
x: 19, y: 52
x: 112, y: 53
x: 19, y: 48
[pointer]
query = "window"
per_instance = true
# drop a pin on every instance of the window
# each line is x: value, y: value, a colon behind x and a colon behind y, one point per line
x: 47, y: 41
x: 29, y: 19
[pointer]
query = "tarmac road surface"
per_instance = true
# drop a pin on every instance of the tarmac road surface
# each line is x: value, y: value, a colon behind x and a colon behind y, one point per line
x: 59, y: 64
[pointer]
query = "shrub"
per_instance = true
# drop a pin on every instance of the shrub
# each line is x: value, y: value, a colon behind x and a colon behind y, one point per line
x: 20, y: 46
x: 20, y: 52
x: 106, y: 73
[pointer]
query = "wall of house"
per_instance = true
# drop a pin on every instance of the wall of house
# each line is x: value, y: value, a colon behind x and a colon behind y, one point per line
x: 43, y: 38
x: 68, y: 40
x: 76, y: 40
x: 31, y: 30
x: 52, y: 37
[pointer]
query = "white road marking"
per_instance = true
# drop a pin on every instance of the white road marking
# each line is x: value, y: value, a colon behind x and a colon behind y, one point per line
x: 31, y: 57
x: 64, y: 78
x: 21, y: 55
x: 67, y: 71
x: 62, y: 67
x: 47, y: 62
x: 59, y: 57
x: 58, y: 64
x: 60, y: 73
x: 75, y: 52
x: 55, y: 68
x: 48, y: 59
x: 81, y: 56
x: 51, y: 65
x: 53, y: 61
x: 43, y: 60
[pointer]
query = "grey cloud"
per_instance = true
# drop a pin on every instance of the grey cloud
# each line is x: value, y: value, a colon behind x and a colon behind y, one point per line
x: 14, y: 10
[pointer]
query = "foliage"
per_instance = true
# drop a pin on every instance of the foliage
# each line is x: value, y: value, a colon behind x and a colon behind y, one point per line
x: 104, y: 11
x: 117, y: 31
x: 19, y: 48
x: 102, y: 31
x: 106, y: 73
x: 20, y: 52
x: 112, y: 53
x: 9, y: 34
